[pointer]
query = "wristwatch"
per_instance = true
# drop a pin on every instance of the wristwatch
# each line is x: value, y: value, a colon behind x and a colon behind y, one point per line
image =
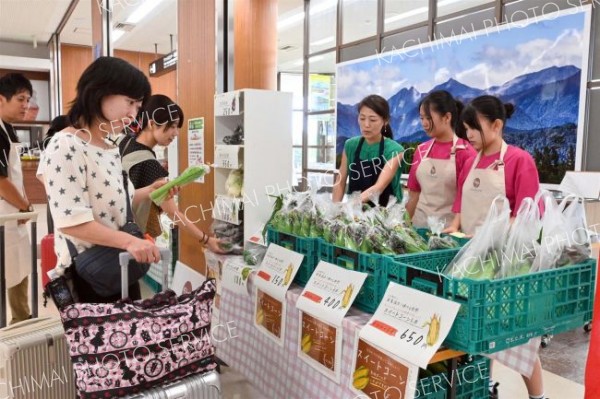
x: 29, y: 209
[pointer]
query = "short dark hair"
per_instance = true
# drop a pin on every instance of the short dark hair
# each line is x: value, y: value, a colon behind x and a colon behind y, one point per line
x: 104, y: 77
x: 488, y: 107
x: 162, y: 110
x: 442, y: 102
x: 380, y: 106
x: 13, y: 83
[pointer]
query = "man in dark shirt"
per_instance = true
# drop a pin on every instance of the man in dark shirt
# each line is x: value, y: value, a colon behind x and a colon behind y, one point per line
x: 15, y: 93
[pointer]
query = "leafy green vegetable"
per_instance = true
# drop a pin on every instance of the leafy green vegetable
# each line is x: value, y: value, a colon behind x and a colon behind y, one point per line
x: 189, y: 175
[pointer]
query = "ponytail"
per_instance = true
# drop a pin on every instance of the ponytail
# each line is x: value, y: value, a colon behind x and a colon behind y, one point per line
x: 386, y: 131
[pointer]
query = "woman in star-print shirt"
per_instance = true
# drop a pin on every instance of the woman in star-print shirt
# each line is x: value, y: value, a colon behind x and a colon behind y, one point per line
x: 82, y: 170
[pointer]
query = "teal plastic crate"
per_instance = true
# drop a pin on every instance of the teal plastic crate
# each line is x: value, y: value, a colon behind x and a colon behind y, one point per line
x: 470, y: 381
x: 503, y: 313
x: 371, y: 292
x: 309, y: 247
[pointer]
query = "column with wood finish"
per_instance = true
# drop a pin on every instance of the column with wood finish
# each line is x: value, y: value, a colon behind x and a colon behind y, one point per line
x: 196, y: 86
x: 255, y: 44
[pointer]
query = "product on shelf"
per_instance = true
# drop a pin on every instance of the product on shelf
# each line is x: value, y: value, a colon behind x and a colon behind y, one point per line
x: 235, y: 183
x: 237, y: 138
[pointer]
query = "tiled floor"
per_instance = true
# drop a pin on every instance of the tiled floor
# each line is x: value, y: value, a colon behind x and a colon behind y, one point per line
x: 563, y: 361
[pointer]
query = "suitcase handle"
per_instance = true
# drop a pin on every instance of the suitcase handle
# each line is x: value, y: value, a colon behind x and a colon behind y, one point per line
x: 18, y: 216
x: 125, y: 257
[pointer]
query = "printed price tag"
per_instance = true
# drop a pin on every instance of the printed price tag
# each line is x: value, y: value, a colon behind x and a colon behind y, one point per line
x: 277, y: 270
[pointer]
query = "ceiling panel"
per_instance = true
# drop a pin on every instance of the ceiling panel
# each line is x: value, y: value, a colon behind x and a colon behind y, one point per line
x: 22, y: 20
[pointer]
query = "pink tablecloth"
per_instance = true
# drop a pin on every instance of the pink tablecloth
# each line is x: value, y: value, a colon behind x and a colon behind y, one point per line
x: 278, y: 372
x: 274, y: 370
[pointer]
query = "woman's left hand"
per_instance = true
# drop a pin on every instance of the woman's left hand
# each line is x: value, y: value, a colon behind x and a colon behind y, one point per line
x: 159, y: 183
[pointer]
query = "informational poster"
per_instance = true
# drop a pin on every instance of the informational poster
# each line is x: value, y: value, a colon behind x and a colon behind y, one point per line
x: 410, y: 324
x: 320, y: 345
x: 273, y: 278
x: 379, y: 374
x: 269, y: 316
x: 196, y: 143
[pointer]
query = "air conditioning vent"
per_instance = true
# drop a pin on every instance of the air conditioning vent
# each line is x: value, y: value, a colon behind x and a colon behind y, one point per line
x: 286, y: 48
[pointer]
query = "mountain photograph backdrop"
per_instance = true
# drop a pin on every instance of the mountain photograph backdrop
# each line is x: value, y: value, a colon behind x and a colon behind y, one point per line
x: 537, y: 68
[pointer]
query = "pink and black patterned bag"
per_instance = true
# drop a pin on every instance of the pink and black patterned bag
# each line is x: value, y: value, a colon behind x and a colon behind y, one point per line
x: 127, y: 347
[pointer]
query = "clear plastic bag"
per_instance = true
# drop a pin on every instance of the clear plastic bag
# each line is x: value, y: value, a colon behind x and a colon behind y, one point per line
x: 479, y: 259
x: 564, y: 238
x: 522, y: 244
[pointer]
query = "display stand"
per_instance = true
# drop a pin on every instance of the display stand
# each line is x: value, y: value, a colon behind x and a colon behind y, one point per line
x: 264, y: 152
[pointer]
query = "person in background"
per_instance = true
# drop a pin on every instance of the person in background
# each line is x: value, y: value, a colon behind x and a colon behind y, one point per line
x: 498, y: 169
x: 437, y: 163
x: 371, y: 162
x: 159, y: 121
x: 83, y: 174
x: 15, y: 92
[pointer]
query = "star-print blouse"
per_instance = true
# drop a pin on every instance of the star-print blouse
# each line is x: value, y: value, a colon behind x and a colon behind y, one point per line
x: 83, y: 183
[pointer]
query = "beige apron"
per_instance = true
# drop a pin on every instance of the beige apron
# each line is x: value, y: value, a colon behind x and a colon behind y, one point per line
x: 479, y: 191
x: 18, y: 247
x: 437, y: 178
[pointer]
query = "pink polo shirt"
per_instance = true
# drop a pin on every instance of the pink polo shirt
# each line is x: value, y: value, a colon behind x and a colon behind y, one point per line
x: 520, y: 176
x: 439, y: 151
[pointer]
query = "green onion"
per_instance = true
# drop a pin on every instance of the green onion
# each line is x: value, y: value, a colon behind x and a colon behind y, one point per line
x: 189, y: 175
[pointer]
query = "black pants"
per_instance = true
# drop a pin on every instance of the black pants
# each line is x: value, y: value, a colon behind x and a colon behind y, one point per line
x: 87, y: 294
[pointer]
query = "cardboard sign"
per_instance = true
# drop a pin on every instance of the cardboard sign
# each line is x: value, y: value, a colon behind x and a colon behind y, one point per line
x: 378, y: 374
x: 269, y: 315
x: 320, y: 345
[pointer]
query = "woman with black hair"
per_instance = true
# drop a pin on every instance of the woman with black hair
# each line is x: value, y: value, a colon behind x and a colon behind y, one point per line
x: 498, y: 169
x: 437, y: 163
x: 374, y: 167
x: 83, y: 175
x: 159, y: 122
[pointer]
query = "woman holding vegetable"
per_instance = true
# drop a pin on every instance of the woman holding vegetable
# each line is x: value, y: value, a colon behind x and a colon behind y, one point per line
x: 498, y: 169
x: 374, y: 167
x: 159, y: 121
x: 437, y: 163
x: 83, y: 176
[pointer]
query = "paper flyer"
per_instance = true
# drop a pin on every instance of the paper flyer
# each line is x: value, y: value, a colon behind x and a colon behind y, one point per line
x: 320, y: 345
x: 330, y: 292
x: 410, y: 324
x: 269, y: 316
x: 236, y: 274
x: 196, y: 143
x: 277, y: 271
x: 378, y: 374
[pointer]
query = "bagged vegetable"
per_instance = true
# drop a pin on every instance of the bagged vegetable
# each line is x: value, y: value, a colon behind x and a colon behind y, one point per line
x: 522, y: 246
x: 436, y: 242
x: 235, y: 183
x: 480, y: 258
x: 565, y: 239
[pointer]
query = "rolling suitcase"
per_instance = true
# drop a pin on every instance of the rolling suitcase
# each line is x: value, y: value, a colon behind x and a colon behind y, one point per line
x: 35, y: 361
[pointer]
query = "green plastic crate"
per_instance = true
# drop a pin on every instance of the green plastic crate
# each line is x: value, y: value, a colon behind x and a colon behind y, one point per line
x: 309, y: 247
x: 500, y: 314
x: 471, y: 381
x: 371, y: 292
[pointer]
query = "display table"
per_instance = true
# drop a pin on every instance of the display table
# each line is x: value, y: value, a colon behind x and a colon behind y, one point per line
x: 274, y: 370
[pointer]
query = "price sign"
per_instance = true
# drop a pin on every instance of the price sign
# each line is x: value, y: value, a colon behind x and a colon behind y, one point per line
x: 330, y: 292
x: 410, y: 324
x: 320, y: 345
x: 269, y: 316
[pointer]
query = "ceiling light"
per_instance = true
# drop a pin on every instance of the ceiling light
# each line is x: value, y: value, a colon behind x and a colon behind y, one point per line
x: 142, y: 11
x: 116, y: 34
x: 295, y: 18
